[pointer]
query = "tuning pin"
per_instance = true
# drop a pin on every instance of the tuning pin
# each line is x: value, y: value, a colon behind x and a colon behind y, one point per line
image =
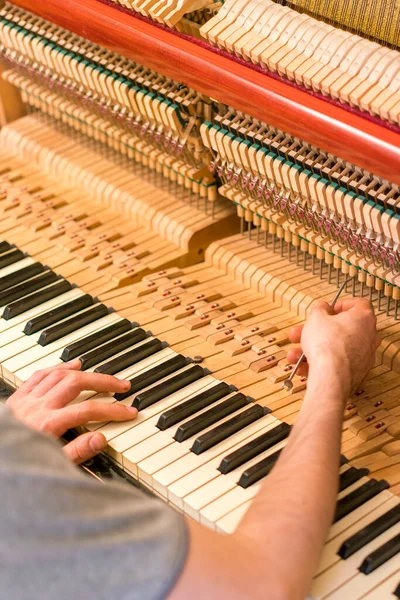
x: 273, y: 242
x: 388, y: 293
x: 396, y: 297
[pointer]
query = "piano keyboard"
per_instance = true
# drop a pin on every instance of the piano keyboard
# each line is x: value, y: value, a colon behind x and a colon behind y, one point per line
x: 200, y: 442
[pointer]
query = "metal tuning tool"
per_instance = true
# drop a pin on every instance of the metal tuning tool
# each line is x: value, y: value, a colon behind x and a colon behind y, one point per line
x: 288, y: 384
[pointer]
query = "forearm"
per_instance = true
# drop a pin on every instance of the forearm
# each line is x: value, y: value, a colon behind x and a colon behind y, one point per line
x: 289, y: 518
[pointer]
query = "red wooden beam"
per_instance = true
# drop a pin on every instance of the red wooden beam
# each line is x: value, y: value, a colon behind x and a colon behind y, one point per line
x: 344, y: 134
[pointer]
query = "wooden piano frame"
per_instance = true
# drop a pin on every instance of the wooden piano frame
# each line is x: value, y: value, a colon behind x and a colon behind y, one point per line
x: 341, y: 132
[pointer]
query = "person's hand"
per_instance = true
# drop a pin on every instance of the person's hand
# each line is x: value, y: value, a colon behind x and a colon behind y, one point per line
x: 339, y: 342
x: 41, y: 404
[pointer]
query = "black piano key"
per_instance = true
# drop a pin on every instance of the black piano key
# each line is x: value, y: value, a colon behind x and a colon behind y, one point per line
x: 251, y: 449
x: 259, y: 470
x: 10, y: 258
x: 347, y: 478
x: 4, y: 247
x: 24, y: 289
x: 193, y: 405
x: 40, y: 297
x: 380, y: 555
x: 133, y: 356
x: 28, y: 285
x: 97, y: 355
x: 76, y: 322
x: 19, y: 276
x: 36, y: 282
x: 358, y: 497
x: 57, y: 314
x: 153, y: 375
x: 158, y: 392
x: 343, y: 460
x: 221, y: 432
x: 211, y: 416
x: 369, y: 532
x: 96, y: 339
x: 397, y: 591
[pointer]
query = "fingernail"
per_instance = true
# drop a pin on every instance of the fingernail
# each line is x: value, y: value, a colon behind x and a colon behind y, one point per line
x: 125, y: 383
x: 97, y: 443
x: 131, y: 409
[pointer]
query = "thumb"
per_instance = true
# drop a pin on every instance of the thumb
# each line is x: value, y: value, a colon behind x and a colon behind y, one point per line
x: 85, y: 446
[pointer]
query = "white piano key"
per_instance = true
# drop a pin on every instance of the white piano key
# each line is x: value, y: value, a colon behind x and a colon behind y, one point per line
x: 3, y: 306
x: 195, y: 477
x: 357, y: 514
x: 223, y: 484
x: 17, y: 324
x: 99, y: 347
x: 22, y: 366
x: 352, y: 487
x: 164, y: 455
x: 128, y: 349
x: 360, y: 584
x: 385, y: 589
x: 112, y: 430
x: 20, y: 342
x: 127, y: 373
x: 225, y: 504
x: 186, y: 468
x: 161, y: 439
x: 147, y: 429
x: 330, y: 554
x: 334, y: 578
x: 230, y: 522
x: 50, y: 359
x: 17, y: 266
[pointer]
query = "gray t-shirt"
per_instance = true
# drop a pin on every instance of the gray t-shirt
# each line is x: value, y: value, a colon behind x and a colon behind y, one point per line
x: 66, y: 536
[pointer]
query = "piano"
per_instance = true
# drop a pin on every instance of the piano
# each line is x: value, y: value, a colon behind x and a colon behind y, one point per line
x: 168, y: 222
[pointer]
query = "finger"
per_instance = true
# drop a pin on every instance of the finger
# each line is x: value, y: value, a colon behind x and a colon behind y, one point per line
x: 71, y: 365
x: 295, y: 334
x: 293, y: 356
x: 54, y: 375
x: 85, y: 446
x: 90, y: 410
x: 73, y: 383
x: 322, y: 307
x: 38, y: 377
x: 352, y: 303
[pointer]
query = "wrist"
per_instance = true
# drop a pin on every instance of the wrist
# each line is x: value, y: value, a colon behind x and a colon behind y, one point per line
x: 329, y: 376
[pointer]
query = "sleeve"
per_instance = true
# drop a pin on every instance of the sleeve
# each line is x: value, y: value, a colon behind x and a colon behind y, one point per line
x: 66, y: 536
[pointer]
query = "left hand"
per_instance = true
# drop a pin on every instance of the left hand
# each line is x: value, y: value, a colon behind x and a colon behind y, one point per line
x: 41, y: 404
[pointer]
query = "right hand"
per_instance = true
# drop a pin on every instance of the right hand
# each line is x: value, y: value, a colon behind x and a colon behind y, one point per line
x: 338, y: 343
